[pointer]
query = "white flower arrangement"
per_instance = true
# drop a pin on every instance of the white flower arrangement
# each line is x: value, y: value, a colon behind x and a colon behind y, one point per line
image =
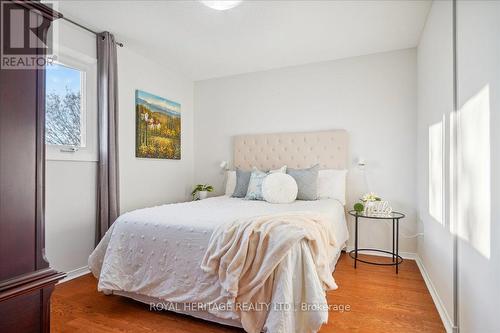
x: 372, y: 205
x: 370, y: 197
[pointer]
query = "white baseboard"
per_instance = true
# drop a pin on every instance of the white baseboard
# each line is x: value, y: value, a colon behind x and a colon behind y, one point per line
x: 445, y: 318
x: 404, y: 255
x: 75, y: 273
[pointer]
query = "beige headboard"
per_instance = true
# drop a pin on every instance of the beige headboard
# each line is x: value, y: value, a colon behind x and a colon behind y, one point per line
x: 296, y: 150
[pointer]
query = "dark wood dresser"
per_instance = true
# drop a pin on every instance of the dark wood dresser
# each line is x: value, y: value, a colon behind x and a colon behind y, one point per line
x: 26, y: 279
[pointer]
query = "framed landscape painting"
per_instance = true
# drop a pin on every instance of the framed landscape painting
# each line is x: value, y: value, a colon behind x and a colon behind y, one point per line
x: 158, y: 127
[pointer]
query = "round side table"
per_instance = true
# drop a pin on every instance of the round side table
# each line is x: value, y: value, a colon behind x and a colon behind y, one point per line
x: 396, y: 258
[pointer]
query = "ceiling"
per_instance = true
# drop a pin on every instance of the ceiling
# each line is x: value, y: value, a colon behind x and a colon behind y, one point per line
x: 205, y: 43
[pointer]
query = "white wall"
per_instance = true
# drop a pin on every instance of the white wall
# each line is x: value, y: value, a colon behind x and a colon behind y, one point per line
x: 148, y: 182
x: 435, y: 104
x: 71, y: 185
x: 70, y: 213
x: 478, y: 69
x: 373, y: 97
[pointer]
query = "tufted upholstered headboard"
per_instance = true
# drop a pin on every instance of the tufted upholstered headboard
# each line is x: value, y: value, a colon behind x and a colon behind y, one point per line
x: 296, y: 150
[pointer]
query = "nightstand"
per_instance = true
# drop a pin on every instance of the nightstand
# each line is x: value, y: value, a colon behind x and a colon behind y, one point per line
x: 396, y: 258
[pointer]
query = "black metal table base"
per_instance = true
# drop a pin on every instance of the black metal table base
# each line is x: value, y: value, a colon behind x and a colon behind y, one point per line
x: 396, y: 258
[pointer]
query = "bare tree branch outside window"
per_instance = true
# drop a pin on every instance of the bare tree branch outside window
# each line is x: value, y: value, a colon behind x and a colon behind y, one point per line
x: 63, y: 115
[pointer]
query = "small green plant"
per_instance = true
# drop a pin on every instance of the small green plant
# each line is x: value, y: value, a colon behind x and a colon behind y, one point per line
x: 201, y: 188
x: 358, y: 207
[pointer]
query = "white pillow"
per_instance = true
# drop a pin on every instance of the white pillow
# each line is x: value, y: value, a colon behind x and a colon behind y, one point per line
x: 332, y: 184
x: 230, y: 182
x: 280, y: 170
x: 279, y: 188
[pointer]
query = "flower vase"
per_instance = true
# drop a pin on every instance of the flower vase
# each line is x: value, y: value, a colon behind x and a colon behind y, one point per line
x: 369, y: 207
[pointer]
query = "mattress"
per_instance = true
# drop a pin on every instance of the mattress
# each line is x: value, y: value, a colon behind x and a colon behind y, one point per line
x: 154, y: 254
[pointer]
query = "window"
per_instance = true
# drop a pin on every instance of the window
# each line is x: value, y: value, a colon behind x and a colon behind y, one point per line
x: 70, y: 107
x: 64, y: 118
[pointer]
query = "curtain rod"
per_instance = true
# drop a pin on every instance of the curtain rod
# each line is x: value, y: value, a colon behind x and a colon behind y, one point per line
x: 88, y: 29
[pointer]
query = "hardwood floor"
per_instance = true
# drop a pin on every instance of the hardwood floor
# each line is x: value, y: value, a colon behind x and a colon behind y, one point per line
x: 379, y: 301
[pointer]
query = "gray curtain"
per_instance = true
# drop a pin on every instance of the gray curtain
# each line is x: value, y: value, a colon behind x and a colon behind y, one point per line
x: 107, y: 96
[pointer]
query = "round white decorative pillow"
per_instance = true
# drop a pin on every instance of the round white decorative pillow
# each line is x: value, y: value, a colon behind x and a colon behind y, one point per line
x: 279, y: 188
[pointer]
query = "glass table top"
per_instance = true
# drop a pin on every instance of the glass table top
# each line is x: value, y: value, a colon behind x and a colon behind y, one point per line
x: 392, y: 215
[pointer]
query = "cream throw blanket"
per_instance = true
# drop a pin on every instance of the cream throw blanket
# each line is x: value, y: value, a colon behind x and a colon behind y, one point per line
x: 245, y: 254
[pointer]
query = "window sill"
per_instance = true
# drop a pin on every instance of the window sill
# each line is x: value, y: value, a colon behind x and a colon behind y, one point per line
x: 75, y: 159
x: 82, y: 155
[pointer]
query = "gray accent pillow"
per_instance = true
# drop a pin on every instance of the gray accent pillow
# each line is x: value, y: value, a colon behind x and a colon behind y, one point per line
x: 307, y: 182
x: 242, y: 180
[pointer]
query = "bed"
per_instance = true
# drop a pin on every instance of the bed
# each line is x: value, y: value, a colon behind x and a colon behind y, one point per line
x: 153, y: 255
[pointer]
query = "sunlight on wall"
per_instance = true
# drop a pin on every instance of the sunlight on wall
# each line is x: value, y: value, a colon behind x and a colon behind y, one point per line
x: 436, y: 160
x: 474, y: 194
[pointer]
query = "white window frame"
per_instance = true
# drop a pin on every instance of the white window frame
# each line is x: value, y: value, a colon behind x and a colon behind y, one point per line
x: 88, y: 118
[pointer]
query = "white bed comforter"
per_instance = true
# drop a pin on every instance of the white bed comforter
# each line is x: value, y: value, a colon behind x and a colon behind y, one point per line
x: 156, y: 252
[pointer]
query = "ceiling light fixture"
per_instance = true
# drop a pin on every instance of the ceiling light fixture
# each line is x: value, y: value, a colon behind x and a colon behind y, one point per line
x: 221, y: 4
